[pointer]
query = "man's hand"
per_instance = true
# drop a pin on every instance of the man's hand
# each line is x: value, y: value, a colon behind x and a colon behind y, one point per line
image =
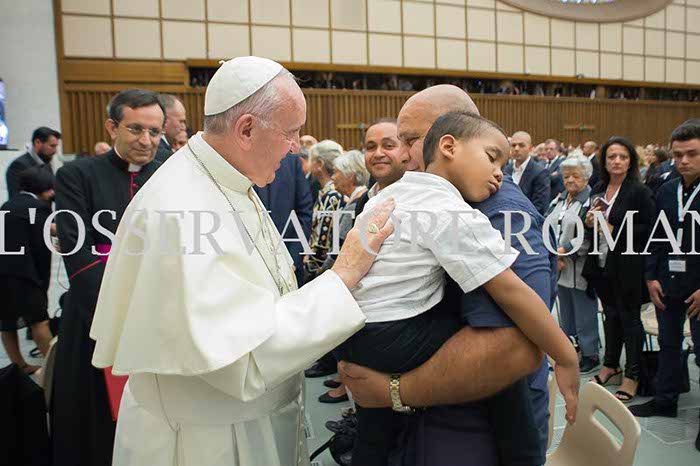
x: 694, y: 305
x: 354, y: 261
x: 370, y: 389
x: 656, y: 293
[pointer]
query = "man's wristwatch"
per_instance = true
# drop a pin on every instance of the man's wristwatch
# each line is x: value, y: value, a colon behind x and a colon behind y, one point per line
x: 396, y: 403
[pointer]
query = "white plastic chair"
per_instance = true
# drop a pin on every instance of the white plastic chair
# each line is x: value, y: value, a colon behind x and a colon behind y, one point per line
x: 588, y: 442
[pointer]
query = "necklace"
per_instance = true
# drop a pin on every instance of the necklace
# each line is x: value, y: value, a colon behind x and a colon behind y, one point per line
x: 283, y: 285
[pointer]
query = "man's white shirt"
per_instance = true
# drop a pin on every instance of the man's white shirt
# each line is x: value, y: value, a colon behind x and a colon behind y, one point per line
x: 518, y: 171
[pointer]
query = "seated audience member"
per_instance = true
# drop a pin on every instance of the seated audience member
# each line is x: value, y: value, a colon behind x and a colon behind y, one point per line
x: 463, y: 155
x: 527, y: 173
x: 578, y: 305
x: 25, y: 277
x: 618, y: 278
x: 673, y: 279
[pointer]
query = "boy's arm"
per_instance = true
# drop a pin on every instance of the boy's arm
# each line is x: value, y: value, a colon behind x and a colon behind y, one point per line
x: 469, y: 249
x: 531, y: 315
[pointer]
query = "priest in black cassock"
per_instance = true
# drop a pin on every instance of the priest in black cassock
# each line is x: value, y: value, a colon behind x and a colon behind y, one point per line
x: 82, y: 424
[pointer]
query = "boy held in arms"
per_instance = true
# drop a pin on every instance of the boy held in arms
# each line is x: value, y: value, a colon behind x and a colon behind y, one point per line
x: 438, y: 232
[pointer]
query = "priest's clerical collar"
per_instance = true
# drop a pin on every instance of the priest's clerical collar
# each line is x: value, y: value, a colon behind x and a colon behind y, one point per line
x: 224, y: 173
x: 121, y: 162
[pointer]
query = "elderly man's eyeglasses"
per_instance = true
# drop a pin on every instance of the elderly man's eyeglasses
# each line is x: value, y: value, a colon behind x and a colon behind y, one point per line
x: 138, y: 130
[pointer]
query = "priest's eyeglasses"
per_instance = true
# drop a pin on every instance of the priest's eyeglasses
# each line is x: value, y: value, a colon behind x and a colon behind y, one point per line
x: 138, y: 130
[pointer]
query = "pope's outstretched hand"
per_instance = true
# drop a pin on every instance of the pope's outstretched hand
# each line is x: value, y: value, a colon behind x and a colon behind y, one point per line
x: 354, y: 260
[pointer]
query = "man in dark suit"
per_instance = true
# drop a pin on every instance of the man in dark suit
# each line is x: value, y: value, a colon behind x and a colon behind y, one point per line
x: 314, y: 185
x: 590, y: 150
x: 288, y: 193
x: 44, y: 146
x: 175, y: 123
x: 532, y: 178
x: 554, y: 159
x: 673, y: 280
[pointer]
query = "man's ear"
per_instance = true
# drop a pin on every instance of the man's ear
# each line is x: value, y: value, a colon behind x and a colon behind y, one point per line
x: 112, y: 127
x: 446, y: 146
x: 243, y: 131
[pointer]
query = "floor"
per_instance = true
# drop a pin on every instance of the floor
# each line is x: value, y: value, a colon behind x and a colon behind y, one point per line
x: 664, y: 441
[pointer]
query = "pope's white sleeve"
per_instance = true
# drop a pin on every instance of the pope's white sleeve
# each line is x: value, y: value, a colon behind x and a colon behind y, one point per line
x: 309, y: 322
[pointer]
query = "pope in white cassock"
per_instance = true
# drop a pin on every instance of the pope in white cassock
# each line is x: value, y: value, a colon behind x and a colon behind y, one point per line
x: 199, y: 304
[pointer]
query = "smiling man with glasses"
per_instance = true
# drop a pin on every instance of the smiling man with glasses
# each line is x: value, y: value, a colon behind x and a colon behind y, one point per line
x: 82, y: 423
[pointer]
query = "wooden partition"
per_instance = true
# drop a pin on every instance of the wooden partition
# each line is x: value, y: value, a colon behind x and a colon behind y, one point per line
x: 340, y: 115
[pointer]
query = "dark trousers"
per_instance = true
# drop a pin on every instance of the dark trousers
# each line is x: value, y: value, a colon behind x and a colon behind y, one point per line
x: 668, y: 376
x: 623, y: 326
x: 392, y: 347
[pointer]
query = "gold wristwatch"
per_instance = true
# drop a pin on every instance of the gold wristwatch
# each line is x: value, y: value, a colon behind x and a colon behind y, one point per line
x: 396, y: 403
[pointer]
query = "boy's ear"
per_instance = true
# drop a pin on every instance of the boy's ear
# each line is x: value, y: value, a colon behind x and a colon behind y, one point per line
x: 447, y: 146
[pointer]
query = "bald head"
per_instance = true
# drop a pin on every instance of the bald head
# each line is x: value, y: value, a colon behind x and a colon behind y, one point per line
x: 442, y: 99
x: 101, y: 147
x: 520, y: 147
x: 420, y: 112
x: 589, y: 148
x: 523, y: 136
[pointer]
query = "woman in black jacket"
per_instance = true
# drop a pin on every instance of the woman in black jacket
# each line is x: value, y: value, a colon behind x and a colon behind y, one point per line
x: 25, y: 277
x: 617, y: 274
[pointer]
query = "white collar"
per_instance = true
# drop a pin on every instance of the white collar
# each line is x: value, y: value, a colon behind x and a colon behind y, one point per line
x: 132, y: 167
x: 373, y: 191
x: 523, y: 166
x: 426, y: 178
x: 224, y: 173
x: 164, y: 139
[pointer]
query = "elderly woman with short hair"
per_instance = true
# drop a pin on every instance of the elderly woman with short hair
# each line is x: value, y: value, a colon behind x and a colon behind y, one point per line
x: 322, y: 167
x: 350, y: 179
x: 578, y: 306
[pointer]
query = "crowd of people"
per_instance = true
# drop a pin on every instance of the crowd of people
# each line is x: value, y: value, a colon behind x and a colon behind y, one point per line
x: 440, y: 350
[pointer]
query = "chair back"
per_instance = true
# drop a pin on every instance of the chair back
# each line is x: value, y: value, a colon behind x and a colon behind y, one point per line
x: 590, y: 442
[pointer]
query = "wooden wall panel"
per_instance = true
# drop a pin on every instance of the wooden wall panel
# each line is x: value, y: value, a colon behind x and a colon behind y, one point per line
x: 341, y: 115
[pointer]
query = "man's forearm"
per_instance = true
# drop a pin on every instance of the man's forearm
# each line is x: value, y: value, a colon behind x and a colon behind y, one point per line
x: 473, y: 364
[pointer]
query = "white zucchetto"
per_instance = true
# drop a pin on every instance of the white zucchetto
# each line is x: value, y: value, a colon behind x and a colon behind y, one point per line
x: 236, y: 80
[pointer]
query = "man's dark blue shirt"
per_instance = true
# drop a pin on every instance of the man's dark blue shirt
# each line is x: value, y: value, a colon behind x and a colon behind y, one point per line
x: 536, y: 270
